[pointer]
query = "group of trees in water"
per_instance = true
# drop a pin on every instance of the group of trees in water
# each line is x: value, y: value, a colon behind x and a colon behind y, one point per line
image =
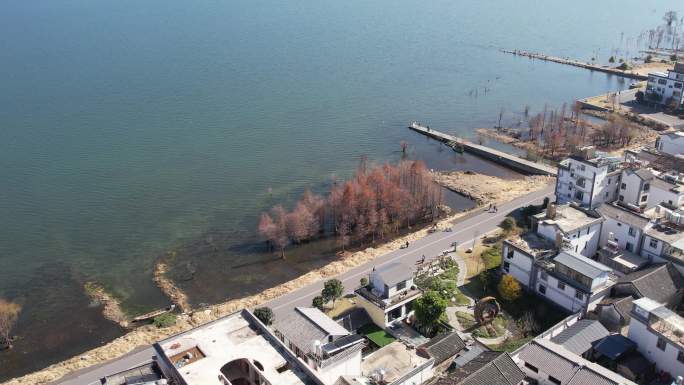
x: 373, y: 204
x: 558, y: 132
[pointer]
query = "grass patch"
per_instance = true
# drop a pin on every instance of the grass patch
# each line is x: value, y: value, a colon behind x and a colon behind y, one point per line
x: 466, y: 320
x: 342, y: 305
x: 492, y: 257
x: 461, y: 299
x: 376, y: 335
x: 511, y: 344
x: 496, y: 329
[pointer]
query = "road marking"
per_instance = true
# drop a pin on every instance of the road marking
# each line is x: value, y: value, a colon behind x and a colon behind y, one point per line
x: 412, y: 251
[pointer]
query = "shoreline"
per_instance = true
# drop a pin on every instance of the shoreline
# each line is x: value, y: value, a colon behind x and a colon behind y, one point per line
x: 111, y: 307
x: 148, y: 334
x: 190, y: 318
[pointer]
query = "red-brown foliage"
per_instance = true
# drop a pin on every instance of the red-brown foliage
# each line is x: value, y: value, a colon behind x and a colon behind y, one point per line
x: 370, y: 205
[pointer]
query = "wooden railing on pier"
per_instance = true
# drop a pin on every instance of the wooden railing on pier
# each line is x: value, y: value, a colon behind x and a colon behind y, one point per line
x: 489, y: 153
x: 577, y: 63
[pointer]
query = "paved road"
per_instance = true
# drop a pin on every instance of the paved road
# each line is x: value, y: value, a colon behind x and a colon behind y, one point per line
x: 431, y: 246
x: 464, y: 231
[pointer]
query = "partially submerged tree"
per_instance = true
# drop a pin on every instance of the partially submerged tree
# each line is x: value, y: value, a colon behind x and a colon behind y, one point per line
x: 9, y: 313
x: 264, y: 314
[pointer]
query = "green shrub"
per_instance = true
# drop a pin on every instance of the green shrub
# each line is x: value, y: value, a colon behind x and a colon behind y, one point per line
x: 164, y: 320
x: 648, y: 59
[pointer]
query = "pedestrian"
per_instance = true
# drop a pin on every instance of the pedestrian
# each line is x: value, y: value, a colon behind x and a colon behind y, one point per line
x: 423, y: 259
x: 496, y: 210
x: 490, y: 208
x: 407, y: 244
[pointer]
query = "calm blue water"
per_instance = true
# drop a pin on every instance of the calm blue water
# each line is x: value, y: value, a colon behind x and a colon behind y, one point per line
x: 131, y: 128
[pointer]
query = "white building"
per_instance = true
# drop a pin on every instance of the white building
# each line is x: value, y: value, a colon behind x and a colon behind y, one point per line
x: 237, y: 349
x: 571, y: 227
x: 624, y: 226
x: 635, y: 185
x: 573, y: 281
x: 671, y: 143
x: 667, y: 189
x: 659, y: 334
x: 666, y: 88
x: 328, y: 348
x: 390, y: 295
x: 587, y: 179
x: 520, y: 255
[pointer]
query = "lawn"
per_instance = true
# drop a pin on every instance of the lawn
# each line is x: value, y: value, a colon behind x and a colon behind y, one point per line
x: 376, y: 335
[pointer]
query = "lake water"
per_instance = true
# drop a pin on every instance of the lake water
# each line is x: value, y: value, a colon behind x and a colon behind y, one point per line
x: 132, y: 128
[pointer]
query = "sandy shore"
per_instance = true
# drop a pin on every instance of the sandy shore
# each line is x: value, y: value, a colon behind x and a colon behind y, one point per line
x: 485, y: 189
x: 149, y: 334
x: 168, y: 287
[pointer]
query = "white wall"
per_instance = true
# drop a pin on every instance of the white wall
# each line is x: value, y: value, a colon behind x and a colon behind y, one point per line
x: 379, y: 285
x: 351, y: 366
x: 420, y: 377
x: 563, y: 297
x: 671, y: 144
x: 650, y: 252
x: 520, y: 266
x: 631, y: 193
x: 646, y: 342
x: 621, y: 234
x: 584, y: 241
x: 596, y: 177
x: 658, y: 195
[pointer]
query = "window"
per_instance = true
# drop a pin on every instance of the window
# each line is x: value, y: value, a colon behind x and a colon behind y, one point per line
x: 531, y: 367
x: 647, y: 186
x: 680, y: 356
x: 621, y: 198
x: 623, y: 186
x: 582, y: 167
x: 662, y: 81
x: 507, y: 266
x: 661, y: 343
x: 542, y: 289
x: 644, y: 198
x: 632, y: 231
x: 608, y: 180
x: 554, y: 380
x: 678, y: 85
x: 543, y: 276
x: 581, y: 182
x: 579, y: 295
x: 401, y: 285
x: 653, y: 243
x: 561, y: 285
x: 606, y: 194
x: 589, y: 228
x: 629, y: 247
x: 579, y: 195
x: 509, y: 255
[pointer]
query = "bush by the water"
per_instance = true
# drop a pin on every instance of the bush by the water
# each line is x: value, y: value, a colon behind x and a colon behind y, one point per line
x: 164, y: 320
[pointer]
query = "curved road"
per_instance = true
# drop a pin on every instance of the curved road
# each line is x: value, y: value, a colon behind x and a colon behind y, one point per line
x: 464, y: 231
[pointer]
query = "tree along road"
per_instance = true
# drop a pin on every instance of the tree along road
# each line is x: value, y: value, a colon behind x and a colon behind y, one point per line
x: 432, y: 245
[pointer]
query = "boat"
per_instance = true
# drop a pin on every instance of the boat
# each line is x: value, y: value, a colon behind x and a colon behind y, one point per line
x: 155, y: 313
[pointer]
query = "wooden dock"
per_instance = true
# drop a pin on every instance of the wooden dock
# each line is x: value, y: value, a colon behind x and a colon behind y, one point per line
x: 508, y: 160
x: 577, y: 63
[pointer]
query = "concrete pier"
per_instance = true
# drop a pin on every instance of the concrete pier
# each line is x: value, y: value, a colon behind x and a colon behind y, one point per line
x: 577, y: 63
x: 508, y: 160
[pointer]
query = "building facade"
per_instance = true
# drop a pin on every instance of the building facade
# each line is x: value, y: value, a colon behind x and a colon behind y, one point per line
x: 666, y: 88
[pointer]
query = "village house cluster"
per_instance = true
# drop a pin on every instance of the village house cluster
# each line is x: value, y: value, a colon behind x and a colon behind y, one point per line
x: 609, y: 252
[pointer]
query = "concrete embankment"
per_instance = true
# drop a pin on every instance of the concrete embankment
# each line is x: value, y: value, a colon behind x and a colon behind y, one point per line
x: 576, y: 63
x: 508, y: 160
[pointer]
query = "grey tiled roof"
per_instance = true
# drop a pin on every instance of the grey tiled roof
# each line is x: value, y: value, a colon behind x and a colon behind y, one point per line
x: 444, y: 346
x: 568, y: 367
x: 581, y: 264
x: 394, y: 272
x: 659, y: 282
x: 579, y: 337
x: 623, y: 305
x: 488, y: 368
x: 302, y: 331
